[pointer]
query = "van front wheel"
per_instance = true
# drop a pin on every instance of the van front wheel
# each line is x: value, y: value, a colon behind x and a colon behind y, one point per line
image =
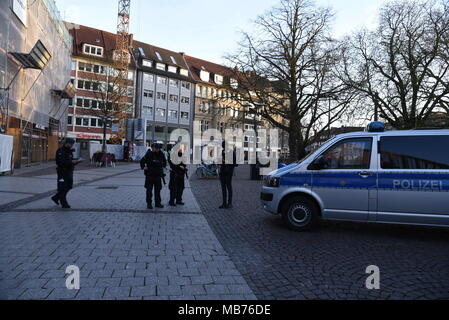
x: 300, y: 214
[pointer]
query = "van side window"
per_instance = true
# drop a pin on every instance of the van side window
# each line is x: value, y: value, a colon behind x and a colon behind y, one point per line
x: 349, y: 154
x: 414, y: 152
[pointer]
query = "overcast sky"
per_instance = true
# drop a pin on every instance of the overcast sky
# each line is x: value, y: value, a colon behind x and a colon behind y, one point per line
x: 207, y: 29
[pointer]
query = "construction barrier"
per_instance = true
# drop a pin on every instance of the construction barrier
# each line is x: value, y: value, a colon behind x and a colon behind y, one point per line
x: 6, y: 151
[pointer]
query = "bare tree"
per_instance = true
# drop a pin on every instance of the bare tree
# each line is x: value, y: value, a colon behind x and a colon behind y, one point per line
x: 402, y: 69
x: 111, y: 98
x: 287, y: 66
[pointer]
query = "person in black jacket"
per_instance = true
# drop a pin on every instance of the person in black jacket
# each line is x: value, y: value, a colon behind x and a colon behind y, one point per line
x: 154, y: 163
x: 65, y: 167
x: 177, y: 183
x: 226, y: 175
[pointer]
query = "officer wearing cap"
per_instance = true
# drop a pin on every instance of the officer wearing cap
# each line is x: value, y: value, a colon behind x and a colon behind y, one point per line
x: 65, y: 167
x: 153, y: 163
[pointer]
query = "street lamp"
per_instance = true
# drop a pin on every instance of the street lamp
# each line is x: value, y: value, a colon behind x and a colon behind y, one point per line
x: 105, y: 120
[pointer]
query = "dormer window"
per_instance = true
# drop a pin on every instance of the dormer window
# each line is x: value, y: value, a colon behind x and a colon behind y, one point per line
x: 172, y: 69
x: 173, y: 59
x: 184, y: 72
x: 93, y: 50
x: 205, y: 76
x: 147, y: 63
x: 218, y: 79
x: 142, y: 52
x: 158, y: 55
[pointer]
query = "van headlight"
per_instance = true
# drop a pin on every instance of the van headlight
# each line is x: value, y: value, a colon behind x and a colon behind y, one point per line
x: 272, y: 182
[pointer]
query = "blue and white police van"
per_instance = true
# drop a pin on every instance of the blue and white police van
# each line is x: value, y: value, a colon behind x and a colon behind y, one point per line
x: 397, y: 177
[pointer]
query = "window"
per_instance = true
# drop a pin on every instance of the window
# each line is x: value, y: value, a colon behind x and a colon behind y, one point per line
x: 160, y: 66
x: 162, y: 80
x: 349, y: 154
x: 174, y: 98
x: 199, y: 91
x: 185, y: 100
x: 160, y: 112
x: 184, y: 72
x: 204, y: 125
x: 204, y: 76
x: 172, y: 69
x: 93, y: 122
x: 148, y: 93
x: 161, y: 96
x: 158, y: 55
x: 234, y: 84
x: 79, y: 121
x: 93, y: 50
x: 148, y: 77
x: 186, y: 85
x: 204, y: 107
x: 130, y: 75
x: 69, y: 120
x: 173, y: 60
x: 149, y: 110
x: 79, y: 102
x: 73, y: 65
x: 185, y: 115
x: 218, y: 79
x: 415, y: 153
x: 173, y: 114
x: 147, y: 63
x: 86, y: 103
x: 95, y: 104
x: 85, y: 122
x: 174, y: 83
x: 142, y: 52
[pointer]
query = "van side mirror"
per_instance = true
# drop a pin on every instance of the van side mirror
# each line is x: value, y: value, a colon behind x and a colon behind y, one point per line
x: 318, y: 164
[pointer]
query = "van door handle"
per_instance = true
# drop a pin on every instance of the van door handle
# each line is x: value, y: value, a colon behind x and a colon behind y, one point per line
x: 365, y: 174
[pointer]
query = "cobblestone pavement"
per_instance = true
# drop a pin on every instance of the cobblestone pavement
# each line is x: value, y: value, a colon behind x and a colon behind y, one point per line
x: 122, y: 250
x: 328, y: 263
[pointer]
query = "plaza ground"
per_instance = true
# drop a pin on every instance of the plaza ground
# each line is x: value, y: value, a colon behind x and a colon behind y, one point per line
x: 197, y: 251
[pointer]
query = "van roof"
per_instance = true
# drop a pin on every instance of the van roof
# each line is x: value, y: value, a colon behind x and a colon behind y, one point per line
x: 398, y: 133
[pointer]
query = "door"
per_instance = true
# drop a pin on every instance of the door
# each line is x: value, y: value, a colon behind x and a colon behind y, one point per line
x: 414, y: 179
x: 347, y: 180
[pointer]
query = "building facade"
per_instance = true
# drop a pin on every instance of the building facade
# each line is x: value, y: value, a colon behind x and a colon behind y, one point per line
x: 164, y: 95
x: 33, y: 101
x: 94, y: 77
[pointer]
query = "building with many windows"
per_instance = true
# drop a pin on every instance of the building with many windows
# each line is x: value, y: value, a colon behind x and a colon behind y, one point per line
x: 33, y: 100
x: 165, y: 93
x: 94, y: 78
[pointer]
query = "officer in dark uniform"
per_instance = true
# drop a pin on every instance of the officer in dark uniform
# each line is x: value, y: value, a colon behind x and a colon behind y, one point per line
x: 65, y: 167
x: 226, y: 175
x: 177, y: 184
x: 154, y: 163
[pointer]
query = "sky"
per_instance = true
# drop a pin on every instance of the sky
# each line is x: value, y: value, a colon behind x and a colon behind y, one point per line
x: 207, y: 29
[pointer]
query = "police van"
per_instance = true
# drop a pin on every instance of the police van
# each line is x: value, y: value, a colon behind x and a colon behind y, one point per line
x: 397, y: 177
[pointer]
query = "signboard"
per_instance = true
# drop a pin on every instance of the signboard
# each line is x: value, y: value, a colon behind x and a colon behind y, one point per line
x: 19, y: 7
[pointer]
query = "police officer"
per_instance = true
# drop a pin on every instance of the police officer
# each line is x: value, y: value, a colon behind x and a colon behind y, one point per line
x: 65, y: 167
x: 154, y: 163
x: 177, y: 184
x: 226, y: 175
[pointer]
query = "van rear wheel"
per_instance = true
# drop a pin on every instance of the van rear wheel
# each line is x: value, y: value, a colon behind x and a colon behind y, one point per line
x: 300, y: 214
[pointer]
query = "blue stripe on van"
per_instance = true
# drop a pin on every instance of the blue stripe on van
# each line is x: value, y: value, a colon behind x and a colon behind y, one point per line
x: 351, y: 180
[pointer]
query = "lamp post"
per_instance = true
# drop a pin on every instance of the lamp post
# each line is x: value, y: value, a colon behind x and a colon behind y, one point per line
x: 255, y: 168
x: 105, y: 120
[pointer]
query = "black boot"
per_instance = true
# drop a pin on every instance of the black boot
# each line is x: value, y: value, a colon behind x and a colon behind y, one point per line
x: 150, y: 206
x: 55, y: 199
x: 223, y: 206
